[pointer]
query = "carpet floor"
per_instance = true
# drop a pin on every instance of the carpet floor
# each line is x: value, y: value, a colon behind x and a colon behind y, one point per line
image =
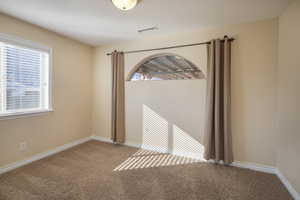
x: 101, y: 171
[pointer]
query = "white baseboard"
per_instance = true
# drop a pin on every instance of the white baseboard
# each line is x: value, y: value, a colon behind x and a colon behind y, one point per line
x: 255, y: 166
x: 150, y: 148
x: 190, y: 155
x: 271, y: 170
x: 131, y: 144
x: 154, y: 148
x: 288, y: 185
x: 101, y: 139
x: 252, y: 166
x: 246, y: 165
x: 108, y: 140
x: 42, y: 155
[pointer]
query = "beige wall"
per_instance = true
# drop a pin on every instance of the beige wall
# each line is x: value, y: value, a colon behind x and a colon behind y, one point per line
x: 71, y: 118
x: 174, y: 109
x: 254, y: 78
x: 289, y: 94
x: 167, y: 115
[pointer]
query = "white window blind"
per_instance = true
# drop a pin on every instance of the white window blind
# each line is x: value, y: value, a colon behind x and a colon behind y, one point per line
x: 24, y: 80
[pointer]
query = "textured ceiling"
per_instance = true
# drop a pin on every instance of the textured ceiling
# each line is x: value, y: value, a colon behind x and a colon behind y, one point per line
x: 97, y: 22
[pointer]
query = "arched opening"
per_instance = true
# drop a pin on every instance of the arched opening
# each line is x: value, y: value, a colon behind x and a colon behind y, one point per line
x: 165, y: 66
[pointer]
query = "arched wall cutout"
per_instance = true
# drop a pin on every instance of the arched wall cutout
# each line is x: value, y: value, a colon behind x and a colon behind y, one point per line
x: 165, y: 66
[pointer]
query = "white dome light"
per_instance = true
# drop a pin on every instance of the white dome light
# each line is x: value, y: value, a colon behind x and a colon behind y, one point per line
x: 125, y: 4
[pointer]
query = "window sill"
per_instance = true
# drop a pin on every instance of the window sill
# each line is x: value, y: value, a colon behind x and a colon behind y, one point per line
x: 24, y: 114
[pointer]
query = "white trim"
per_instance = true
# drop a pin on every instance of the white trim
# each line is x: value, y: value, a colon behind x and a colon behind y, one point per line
x: 18, y: 115
x: 148, y: 147
x: 107, y: 140
x: 154, y: 148
x: 192, y: 155
x: 245, y: 165
x: 20, y: 42
x: 15, y: 40
x: 131, y: 144
x: 288, y: 185
x: 101, y: 139
x: 271, y: 170
x: 50, y: 81
x: 42, y: 155
x: 255, y: 167
x: 251, y: 166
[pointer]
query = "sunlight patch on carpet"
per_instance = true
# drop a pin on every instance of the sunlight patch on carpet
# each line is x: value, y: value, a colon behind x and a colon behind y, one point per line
x: 149, y: 159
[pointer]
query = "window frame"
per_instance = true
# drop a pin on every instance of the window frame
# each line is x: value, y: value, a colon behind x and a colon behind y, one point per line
x: 135, y: 69
x: 13, y: 40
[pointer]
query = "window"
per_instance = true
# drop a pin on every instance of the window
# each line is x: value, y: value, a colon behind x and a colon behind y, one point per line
x: 165, y: 67
x: 24, y: 77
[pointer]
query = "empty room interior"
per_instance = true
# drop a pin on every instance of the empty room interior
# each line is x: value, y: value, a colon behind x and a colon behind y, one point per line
x: 149, y: 100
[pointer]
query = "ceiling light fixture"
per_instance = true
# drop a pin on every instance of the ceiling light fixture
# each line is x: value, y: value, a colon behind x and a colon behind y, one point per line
x: 125, y: 4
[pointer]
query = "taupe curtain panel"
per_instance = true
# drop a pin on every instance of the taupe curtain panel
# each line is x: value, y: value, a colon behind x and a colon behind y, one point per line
x: 217, y: 136
x: 118, y: 98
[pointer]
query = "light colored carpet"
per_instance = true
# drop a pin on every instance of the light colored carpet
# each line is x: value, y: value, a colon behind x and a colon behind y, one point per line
x: 100, y: 171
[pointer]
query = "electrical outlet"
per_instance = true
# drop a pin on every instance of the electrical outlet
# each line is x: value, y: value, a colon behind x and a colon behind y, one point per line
x: 23, y: 146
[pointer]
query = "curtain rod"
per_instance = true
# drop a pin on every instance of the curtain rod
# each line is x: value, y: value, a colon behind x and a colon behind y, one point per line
x: 172, y: 47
